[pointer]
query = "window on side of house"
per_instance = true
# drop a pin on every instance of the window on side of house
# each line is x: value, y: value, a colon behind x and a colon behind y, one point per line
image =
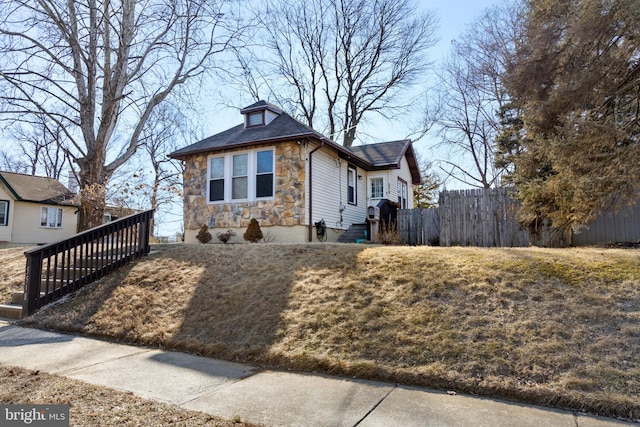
x: 352, y: 196
x: 51, y: 217
x: 264, y: 174
x: 216, y: 179
x: 376, y: 186
x: 4, y: 212
x: 402, y: 193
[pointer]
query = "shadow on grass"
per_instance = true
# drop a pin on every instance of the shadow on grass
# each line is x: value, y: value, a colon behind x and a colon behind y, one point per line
x: 236, y: 309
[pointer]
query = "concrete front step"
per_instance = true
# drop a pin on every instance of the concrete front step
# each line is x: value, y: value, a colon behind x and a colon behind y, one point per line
x: 353, y: 234
x: 17, y: 298
x: 11, y: 311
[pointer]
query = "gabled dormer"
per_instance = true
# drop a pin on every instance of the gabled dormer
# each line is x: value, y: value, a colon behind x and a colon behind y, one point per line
x: 259, y: 114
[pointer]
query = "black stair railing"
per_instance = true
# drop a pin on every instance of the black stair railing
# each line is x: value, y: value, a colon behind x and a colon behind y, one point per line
x: 57, y: 269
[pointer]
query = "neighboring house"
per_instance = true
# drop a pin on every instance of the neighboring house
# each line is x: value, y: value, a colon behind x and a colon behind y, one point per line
x: 35, y: 210
x: 113, y: 213
x: 288, y: 176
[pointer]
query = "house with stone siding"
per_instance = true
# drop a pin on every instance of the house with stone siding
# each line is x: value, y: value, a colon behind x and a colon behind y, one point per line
x: 289, y: 177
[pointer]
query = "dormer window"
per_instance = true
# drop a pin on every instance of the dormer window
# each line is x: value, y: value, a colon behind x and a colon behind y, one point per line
x: 260, y: 114
x: 255, y: 119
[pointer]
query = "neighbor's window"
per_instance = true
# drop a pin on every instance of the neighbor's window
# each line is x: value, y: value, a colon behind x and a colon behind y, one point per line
x: 264, y: 173
x: 4, y: 212
x: 351, y: 186
x: 248, y: 175
x: 377, y: 188
x: 51, y: 217
x: 216, y: 179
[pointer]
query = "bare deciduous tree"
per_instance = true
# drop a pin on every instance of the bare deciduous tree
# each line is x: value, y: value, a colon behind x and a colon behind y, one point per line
x: 99, y: 68
x: 39, y: 148
x: 159, y: 139
x: 474, y: 95
x: 338, y: 61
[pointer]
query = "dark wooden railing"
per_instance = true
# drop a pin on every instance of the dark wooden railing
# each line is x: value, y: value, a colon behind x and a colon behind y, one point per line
x: 59, y: 268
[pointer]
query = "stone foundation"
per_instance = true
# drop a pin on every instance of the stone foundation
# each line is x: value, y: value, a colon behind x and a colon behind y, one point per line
x: 276, y: 234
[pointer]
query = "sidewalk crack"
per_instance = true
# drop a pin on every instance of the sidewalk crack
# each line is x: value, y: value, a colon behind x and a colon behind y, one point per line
x: 375, y: 406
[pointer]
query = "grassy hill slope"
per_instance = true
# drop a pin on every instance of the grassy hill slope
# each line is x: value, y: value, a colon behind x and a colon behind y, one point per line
x: 548, y: 326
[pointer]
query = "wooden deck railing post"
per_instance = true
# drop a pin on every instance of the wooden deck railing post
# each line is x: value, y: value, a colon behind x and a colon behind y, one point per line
x: 33, y: 275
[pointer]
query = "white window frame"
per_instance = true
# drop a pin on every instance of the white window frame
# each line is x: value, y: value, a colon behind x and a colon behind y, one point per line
x: 403, y: 193
x: 246, y: 175
x: 352, y: 182
x: 58, y: 218
x: 5, y: 213
x: 252, y: 168
x: 370, y: 182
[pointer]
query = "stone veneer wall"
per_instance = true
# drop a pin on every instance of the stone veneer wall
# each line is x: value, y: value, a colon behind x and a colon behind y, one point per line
x: 286, y: 209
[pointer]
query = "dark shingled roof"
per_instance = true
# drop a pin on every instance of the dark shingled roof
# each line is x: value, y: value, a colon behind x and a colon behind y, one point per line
x: 384, y: 155
x: 29, y: 188
x: 261, y: 105
x: 283, y: 127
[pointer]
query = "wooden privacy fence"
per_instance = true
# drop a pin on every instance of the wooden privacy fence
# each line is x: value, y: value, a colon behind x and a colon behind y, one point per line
x: 419, y: 226
x: 621, y: 226
x: 488, y: 217
x: 480, y: 217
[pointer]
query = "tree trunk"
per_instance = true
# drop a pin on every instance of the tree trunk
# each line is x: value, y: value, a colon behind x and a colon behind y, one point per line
x: 93, y: 183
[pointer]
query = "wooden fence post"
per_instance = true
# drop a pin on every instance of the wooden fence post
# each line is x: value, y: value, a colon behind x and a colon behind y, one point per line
x: 33, y: 276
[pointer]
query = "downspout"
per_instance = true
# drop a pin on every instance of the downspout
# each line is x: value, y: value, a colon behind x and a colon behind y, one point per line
x: 311, y: 190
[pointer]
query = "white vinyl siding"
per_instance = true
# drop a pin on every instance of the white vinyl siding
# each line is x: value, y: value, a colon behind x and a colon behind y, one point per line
x: 404, y: 174
x: 330, y: 190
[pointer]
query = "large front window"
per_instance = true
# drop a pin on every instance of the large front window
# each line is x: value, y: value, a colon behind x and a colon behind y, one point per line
x: 4, y: 212
x: 51, y: 217
x: 241, y: 176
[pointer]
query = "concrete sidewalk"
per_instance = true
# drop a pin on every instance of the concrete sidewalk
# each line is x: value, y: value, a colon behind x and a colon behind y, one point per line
x: 231, y: 390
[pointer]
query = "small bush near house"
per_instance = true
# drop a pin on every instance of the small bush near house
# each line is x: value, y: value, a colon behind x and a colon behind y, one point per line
x: 253, y: 233
x: 388, y: 235
x: 203, y: 235
x: 226, y: 236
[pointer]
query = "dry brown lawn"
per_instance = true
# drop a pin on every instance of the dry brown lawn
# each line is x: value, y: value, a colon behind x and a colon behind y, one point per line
x: 91, y: 405
x: 12, y: 268
x: 559, y: 327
